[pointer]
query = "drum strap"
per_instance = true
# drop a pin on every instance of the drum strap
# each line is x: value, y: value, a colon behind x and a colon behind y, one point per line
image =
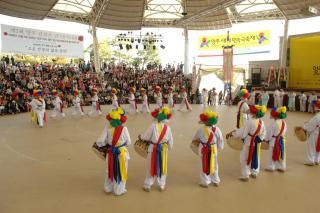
x: 159, y: 156
x: 278, y: 149
x: 254, y: 152
x: 239, y: 117
x: 116, y: 158
x: 208, y: 152
x: 318, y: 143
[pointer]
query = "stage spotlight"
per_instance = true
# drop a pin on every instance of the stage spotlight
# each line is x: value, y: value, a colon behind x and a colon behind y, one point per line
x: 144, y: 46
x: 132, y: 40
x: 127, y: 46
x: 121, y: 47
x: 162, y: 46
x: 154, y: 47
x: 137, y: 47
x: 139, y: 40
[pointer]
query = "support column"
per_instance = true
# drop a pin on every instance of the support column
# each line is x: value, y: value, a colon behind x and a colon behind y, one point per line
x: 95, y: 49
x: 186, y: 51
x: 284, y: 47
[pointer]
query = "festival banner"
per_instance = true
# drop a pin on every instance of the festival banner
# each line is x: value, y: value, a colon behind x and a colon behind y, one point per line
x: 238, y: 40
x: 304, y: 69
x: 39, y: 42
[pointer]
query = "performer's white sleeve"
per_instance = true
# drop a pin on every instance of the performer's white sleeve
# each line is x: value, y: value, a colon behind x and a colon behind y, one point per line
x: 102, y: 140
x: 148, y: 134
x: 263, y: 131
x: 170, y: 139
x: 243, y: 132
x: 197, y: 135
x: 311, y: 125
x: 220, y: 142
x: 127, y: 135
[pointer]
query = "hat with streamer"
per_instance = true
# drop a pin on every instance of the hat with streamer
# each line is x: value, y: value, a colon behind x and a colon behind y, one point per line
x: 162, y: 114
x: 209, y: 118
x: 116, y: 117
x: 258, y: 111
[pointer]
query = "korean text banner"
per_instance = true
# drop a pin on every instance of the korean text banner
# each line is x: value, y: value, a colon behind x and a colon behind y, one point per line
x: 239, y: 40
x: 304, y: 68
x: 39, y: 42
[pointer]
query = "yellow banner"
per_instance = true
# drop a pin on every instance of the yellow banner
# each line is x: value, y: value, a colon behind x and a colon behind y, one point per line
x: 304, y: 69
x: 239, y: 40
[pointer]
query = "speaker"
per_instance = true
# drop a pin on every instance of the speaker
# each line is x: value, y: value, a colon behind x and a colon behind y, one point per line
x: 256, y: 79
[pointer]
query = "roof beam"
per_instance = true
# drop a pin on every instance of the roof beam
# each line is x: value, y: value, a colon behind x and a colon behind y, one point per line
x: 214, y: 8
x: 277, y: 4
x: 97, y: 11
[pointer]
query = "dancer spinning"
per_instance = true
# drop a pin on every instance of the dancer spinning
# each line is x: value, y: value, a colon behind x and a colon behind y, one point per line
x: 145, y: 104
x: 253, y: 134
x: 211, y: 140
x: 95, y: 103
x: 170, y: 99
x: 276, y: 136
x: 132, y: 100
x: 38, y: 105
x: 58, y: 105
x: 115, y: 103
x: 117, y: 139
x: 161, y: 142
x: 158, y: 97
x: 184, y: 102
x: 313, y: 130
x: 78, y: 108
x: 243, y: 108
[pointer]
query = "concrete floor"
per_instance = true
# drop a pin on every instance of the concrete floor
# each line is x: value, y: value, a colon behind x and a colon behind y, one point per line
x: 54, y: 170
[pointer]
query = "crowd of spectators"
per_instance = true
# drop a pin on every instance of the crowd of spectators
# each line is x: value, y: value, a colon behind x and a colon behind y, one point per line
x: 18, y: 80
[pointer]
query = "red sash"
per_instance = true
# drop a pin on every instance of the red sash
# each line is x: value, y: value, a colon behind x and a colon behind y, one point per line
x: 61, y: 107
x: 154, y: 151
x: 204, y: 151
x: 115, y: 139
x: 276, y: 148
x: 98, y: 106
x: 318, y: 143
x: 81, y: 107
x: 253, y: 137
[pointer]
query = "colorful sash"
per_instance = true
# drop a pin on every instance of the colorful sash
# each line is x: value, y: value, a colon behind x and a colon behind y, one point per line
x: 81, y: 107
x: 240, y: 117
x: 159, y: 155
x: 254, y: 149
x: 98, y: 106
x: 318, y: 143
x: 208, y: 153
x: 116, y: 158
x: 61, y: 107
x: 187, y: 103
x: 278, y: 149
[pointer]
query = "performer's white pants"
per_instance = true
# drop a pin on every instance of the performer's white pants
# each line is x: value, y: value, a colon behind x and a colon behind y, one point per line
x: 310, y: 108
x: 184, y: 104
x: 246, y: 169
x: 113, y: 186
x: 145, y: 108
x: 159, y: 103
x: 207, y: 179
x: 277, y: 102
x: 302, y: 106
x: 214, y: 101
x: 312, y: 155
x: 291, y: 105
x: 40, y: 116
x: 77, y: 109
x: 272, y: 165
x: 132, y: 107
x: 57, y: 112
x: 94, y: 110
x: 149, y: 181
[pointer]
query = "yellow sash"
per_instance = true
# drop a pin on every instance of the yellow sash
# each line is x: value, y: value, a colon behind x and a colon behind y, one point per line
x: 164, y: 151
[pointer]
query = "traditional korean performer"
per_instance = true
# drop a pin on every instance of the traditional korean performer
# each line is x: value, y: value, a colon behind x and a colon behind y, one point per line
x: 170, y: 99
x: 292, y: 101
x: 96, y: 109
x: 116, y: 138
x: 303, y: 102
x: 38, y: 106
x: 115, y: 104
x: 159, y: 133
x: 276, y: 137
x: 145, y: 104
x: 77, y: 104
x: 133, y: 108
x: 158, y: 97
x: 184, y: 102
x: 243, y: 108
x: 58, y: 105
x: 211, y: 143
x: 252, y: 133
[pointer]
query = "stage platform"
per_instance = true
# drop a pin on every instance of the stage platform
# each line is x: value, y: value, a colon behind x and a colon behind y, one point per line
x: 53, y: 170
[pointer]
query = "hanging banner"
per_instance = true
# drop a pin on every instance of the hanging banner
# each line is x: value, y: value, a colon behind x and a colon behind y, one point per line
x: 227, y: 64
x: 239, y: 40
x: 304, y: 69
x: 39, y: 42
